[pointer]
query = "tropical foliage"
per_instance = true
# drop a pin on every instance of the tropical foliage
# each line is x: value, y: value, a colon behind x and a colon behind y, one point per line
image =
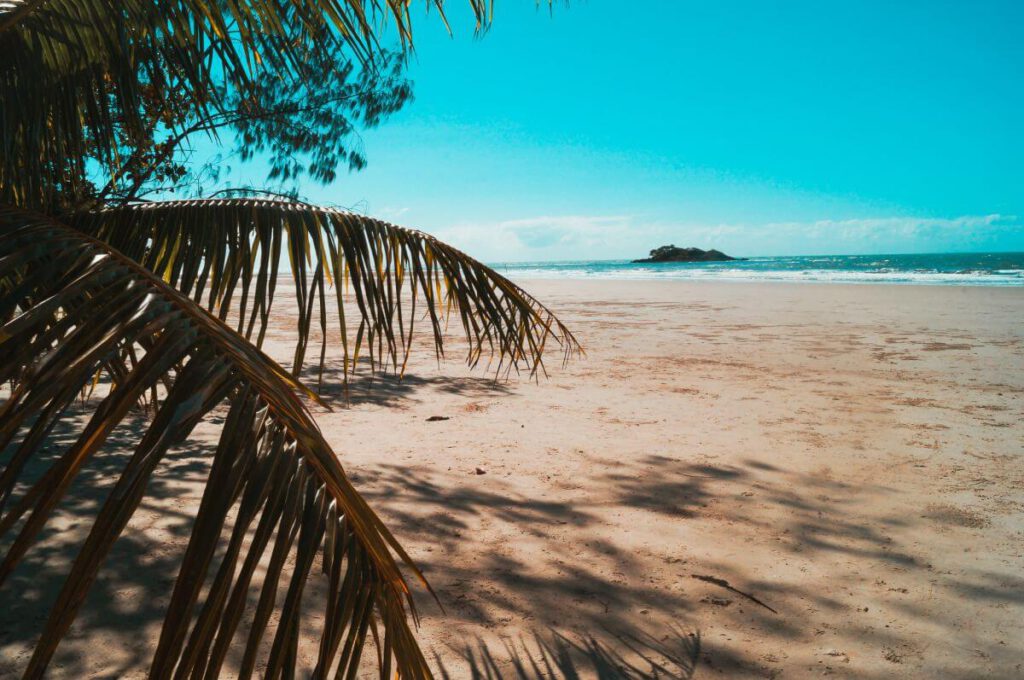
x: 115, y: 303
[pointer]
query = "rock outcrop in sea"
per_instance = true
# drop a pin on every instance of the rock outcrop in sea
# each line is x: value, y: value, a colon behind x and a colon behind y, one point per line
x: 673, y: 254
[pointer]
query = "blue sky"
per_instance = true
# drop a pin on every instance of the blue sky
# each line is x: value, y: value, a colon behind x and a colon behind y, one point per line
x: 607, y: 128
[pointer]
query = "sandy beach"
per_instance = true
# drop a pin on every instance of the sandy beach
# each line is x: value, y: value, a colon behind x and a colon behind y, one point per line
x: 557, y: 341
x: 738, y: 480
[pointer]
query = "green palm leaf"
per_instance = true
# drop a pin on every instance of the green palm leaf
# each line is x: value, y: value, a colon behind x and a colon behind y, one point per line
x: 70, y: 303
x: 74, y: 73
x: 225, y: 254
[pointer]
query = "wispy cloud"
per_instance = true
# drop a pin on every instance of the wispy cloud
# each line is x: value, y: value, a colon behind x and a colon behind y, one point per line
x: 391, y: 213
x: 901, y: 227
x: 548, y: 236
x: 620, y: 236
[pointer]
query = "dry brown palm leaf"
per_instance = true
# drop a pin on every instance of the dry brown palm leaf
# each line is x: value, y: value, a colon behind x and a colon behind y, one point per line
x: 276, y: 502
x: 226, y: 255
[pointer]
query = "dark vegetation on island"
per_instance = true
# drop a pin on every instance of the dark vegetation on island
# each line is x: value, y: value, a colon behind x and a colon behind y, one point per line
x: 673, y: 254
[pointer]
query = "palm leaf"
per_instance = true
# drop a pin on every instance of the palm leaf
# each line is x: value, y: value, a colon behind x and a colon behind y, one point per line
x: 74, y: 73
x: 70, y: 303
x: 226, y: 255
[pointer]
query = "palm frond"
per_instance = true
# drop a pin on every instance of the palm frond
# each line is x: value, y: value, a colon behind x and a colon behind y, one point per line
x: 276, y: 502
x: 75, y: 73
x: 226, y: 255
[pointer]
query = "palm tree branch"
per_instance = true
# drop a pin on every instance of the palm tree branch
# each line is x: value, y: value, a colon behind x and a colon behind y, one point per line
x: 272, y: 464
x: 76, y: 72
x: 225, y: 255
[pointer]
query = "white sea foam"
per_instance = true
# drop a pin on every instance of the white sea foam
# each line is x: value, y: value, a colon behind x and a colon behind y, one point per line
x: 1005, y: 277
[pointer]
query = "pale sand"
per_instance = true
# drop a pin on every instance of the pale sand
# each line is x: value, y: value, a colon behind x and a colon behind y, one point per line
x: 848, y: 455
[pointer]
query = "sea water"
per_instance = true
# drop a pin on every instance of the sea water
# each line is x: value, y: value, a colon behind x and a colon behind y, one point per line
x: 960, y: 269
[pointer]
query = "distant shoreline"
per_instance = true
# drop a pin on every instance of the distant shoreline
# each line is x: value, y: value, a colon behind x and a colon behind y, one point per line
x: 773, y: 282
x: 943, y: 269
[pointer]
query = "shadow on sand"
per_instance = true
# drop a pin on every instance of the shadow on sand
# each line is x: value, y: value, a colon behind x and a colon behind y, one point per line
x: 604, y: 578
x: 388, y: 389
x: 554, y: 656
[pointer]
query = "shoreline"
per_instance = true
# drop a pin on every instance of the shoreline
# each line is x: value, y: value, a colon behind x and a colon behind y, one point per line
x: 528, y: 280
x: 974, y: 269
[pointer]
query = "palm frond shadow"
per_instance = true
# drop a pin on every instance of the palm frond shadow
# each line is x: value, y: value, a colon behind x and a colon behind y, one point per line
x: 131, y: 592
x: 388, y: 389
x: 572, y: 558
x: 557, y: 656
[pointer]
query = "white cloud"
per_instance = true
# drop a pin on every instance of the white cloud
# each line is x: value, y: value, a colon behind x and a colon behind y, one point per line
x: 544, y: 237
x: 568, y: 237
x: 390, y: 213
x: 899, y: 234
x: 904, y: 227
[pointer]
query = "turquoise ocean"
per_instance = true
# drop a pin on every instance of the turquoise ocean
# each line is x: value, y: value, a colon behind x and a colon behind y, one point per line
x: 957, y: 269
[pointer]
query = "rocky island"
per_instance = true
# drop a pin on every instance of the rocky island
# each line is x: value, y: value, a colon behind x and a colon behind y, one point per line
x: 673, y: 254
